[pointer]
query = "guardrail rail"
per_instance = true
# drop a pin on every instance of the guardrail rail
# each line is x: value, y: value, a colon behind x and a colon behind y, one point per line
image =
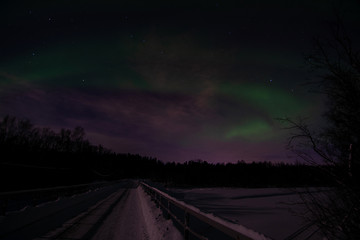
x: 197, y: 224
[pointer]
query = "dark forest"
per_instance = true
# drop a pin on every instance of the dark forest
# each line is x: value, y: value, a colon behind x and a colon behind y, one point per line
x: 33, y: 157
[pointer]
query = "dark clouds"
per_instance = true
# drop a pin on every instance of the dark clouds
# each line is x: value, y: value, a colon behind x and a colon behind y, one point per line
x: 174, y: 80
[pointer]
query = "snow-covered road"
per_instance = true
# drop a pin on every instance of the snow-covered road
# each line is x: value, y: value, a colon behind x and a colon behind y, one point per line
x: 123, y: 212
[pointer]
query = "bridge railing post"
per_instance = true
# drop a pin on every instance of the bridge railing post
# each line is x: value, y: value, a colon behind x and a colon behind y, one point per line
x: 186, y: 225
x: 168, y: 210
x: 158, y: 200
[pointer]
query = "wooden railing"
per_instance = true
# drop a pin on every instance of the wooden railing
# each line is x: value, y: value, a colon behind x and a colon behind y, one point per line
x: 183, y: 215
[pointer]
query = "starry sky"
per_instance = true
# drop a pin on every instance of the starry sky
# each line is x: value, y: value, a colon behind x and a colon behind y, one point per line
x: 176, y: 80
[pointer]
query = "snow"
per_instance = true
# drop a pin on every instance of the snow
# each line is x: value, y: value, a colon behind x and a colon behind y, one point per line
x: 83, y: 225
x: 271, y: 211
x: 127, y: 213
x: 135, y: 217
x: 157, y: 226
x: 32, y: 222
x: 228, y: 226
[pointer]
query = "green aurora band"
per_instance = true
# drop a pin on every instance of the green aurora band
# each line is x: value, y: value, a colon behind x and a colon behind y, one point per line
x: 111, y: 63
x: 272, y: 101
x: 66, y: 65
x: 255, y: 130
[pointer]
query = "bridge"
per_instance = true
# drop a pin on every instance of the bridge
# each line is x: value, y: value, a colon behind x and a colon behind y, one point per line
x: 117, y: 210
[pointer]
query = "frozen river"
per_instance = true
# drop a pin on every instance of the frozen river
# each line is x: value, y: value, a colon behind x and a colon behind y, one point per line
x: 272, y: 211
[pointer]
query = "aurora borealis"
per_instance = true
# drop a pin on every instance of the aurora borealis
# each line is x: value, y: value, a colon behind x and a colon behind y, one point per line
x: 175, y: 80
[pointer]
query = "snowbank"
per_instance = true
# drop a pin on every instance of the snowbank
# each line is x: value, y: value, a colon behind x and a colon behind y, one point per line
x: 156, y: 225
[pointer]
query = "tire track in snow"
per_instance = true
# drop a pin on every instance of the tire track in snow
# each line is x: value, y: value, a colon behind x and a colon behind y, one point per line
x: 85, y: 225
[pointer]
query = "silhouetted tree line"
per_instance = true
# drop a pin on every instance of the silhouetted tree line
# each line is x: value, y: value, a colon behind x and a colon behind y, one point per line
x: 241, y: 174
x: 34, y: 157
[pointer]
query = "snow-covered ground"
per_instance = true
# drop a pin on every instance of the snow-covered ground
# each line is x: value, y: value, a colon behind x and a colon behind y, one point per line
x: 203, y: 225
x: 33, y: 221
x: 137, y: 218
x: 125, y: 211
x: 271, y: 211
x: 122, y: 211
x: 157, y: 226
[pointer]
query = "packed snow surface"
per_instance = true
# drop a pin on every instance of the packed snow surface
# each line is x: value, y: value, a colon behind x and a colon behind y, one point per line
x: 136, y: 219
x: 158, y: 227
x: 132, y: 216
x: 122, y: 211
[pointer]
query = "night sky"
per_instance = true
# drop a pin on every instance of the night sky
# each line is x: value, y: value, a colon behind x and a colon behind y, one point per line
x: 176, y: 80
